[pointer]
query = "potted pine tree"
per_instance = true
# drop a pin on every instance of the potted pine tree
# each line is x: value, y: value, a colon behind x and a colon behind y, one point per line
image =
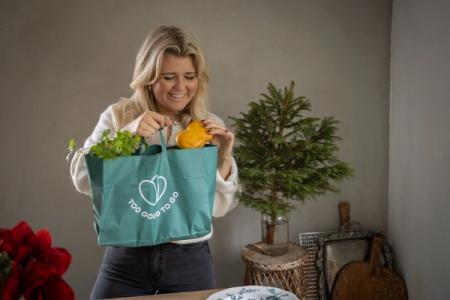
x: 284, y: 156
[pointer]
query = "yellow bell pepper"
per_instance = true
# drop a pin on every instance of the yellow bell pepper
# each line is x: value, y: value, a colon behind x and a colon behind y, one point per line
x: 194, y: 136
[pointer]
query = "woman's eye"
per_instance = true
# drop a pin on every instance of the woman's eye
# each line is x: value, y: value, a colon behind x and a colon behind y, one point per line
x: 171, y: 77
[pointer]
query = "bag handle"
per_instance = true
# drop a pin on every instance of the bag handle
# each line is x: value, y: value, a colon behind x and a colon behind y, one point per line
x: 162, y: 142
x: 143, y: 146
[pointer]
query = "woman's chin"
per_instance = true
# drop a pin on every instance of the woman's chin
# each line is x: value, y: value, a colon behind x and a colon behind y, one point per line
x: 173, y: 110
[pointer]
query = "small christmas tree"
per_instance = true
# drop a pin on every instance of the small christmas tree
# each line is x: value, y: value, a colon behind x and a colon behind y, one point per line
x: 283, y: 155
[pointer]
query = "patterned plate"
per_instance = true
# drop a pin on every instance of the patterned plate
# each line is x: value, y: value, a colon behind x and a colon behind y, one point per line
x: 253, y: 292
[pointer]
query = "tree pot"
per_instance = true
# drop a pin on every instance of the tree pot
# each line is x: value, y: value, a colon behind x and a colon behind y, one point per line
x: 275, y: 234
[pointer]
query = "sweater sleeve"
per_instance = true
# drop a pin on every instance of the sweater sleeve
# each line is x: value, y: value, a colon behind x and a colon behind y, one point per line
x: 78, y: 169
x: 225, y: 199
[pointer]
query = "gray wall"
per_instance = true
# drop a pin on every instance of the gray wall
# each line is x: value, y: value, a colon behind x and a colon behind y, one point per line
x: 419, y: 207
x: 63, y: 62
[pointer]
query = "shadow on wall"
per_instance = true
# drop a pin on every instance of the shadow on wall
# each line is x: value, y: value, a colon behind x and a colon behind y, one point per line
x: 230, y: 237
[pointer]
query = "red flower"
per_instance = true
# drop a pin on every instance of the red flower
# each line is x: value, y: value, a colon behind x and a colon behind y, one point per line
x: 41, y: 244
x: 14, y: 238
x: 42, y: 281
x: 11, y: 289
x: 37, y: 266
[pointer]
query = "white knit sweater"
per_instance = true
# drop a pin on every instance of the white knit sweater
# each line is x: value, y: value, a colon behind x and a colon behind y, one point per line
x: 225, y: 189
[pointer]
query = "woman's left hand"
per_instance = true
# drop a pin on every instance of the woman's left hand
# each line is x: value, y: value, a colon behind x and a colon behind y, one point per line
x: 225, y: 140
x: 223, y: 137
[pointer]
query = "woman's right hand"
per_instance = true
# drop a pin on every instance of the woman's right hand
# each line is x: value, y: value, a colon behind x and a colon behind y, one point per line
x: 151, y: 122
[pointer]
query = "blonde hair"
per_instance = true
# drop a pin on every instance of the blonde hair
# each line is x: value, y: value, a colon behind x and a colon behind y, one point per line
x: 170, y: 40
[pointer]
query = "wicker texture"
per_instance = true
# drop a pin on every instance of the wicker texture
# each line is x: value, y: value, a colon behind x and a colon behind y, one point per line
x: 310, y: 240
x: 284, y: 271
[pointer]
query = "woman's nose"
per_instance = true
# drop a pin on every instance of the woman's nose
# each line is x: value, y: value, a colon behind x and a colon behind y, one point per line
x: 179, y: 84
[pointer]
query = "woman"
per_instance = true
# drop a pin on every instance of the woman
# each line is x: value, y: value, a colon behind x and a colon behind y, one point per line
x: 170, y: 89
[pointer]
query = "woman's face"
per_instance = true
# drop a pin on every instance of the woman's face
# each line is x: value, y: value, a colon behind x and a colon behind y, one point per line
x: 176, y: 85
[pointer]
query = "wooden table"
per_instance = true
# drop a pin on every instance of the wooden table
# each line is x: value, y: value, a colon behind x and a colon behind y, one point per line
x: 197, y: 295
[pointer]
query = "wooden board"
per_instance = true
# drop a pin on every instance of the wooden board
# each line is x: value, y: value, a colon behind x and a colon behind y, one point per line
x: 368, y: 280
x: 309, y: 240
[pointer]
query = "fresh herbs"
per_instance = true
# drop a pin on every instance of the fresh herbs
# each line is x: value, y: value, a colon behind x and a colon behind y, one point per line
x: 122, y: 144
x: 72, y: 145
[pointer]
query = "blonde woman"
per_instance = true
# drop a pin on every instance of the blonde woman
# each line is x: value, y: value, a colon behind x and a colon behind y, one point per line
x: 170, y: 84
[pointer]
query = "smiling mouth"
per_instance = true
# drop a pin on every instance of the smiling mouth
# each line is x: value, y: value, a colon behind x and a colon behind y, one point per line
x: 177, y: 96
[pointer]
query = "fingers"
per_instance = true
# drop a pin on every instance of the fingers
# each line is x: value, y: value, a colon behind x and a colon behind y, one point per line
x: 221, y: 131
x: 208, y: 124
x: 168, y: 122
x: 152, y: 116
x: 151, y: 122
x: 146, y: 130
x: 223, y: 137
x: 215, y: 128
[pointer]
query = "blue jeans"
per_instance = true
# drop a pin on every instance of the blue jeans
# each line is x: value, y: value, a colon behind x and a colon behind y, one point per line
x: 165, y: 268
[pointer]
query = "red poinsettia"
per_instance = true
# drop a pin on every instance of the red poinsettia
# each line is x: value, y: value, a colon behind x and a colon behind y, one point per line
x: 36, y: 267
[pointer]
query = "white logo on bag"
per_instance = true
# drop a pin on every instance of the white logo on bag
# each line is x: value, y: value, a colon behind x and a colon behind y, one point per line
x: 159, y: 192
x: 159, y: 184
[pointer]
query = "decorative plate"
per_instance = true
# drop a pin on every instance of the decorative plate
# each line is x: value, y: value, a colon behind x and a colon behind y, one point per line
x: 253, y: 292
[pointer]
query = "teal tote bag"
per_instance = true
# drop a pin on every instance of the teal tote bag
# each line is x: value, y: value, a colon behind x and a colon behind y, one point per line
x: 163, y: 194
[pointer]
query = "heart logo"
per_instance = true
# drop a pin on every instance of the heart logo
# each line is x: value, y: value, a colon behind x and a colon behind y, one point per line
x: 159, y: 184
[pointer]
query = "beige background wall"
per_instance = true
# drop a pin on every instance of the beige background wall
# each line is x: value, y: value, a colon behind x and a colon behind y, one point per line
x: 419, y: 170
x: 64, y: 62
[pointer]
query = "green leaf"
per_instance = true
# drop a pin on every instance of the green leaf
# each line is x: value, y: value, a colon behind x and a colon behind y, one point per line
x: 72, y: 145
x: 6, y: 264
x: 122, y: 144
